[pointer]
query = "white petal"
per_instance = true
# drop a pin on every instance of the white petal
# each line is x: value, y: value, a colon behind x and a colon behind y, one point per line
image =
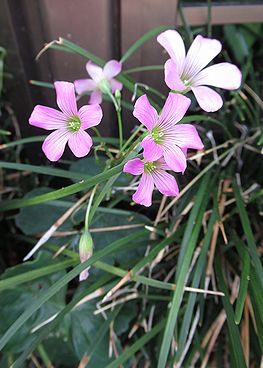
x: 201, y: 52
x: 174, y: 45
x: 222, y: 75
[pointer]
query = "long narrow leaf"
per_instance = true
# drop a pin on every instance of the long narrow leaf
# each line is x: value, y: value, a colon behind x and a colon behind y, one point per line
x: 45, y: 296
x: 235, y: 341
x: 187, y: 249
x: 248, y: 232
x: 146, y: 37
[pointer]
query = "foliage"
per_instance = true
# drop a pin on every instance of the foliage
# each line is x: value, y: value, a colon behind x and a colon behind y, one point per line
x: 154, y: 294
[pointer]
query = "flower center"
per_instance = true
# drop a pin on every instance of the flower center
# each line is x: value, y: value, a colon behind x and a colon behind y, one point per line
x: 74, y: 124
x: 186, y: 82
x: 149, y: 167
x: 157, y: 135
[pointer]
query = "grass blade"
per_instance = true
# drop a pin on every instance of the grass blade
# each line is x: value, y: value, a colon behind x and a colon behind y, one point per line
x: 44, y: 297
x: 35, y: 274
x: 60, y: 193
x: 146, y: 37
x: 235, y: 342
x: 244, y: 279
x: 252, y: 248
x: 187, y: 248
x: 128, y: 353
x: 44, y: 170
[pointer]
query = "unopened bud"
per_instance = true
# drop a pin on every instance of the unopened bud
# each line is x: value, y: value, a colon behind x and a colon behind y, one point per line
x: 118, y: 95
x: 85, y: 252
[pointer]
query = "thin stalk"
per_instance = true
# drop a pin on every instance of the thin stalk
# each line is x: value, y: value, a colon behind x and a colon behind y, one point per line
x: 120, y: 127
x: 89, y: 207
x: 43, y: 354
x: 131, y: 138
x: 118, y: 111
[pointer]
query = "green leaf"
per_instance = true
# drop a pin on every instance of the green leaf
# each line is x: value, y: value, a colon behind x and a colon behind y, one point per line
x: 61, y: 193
x: 244, y: 279
x: 44, y: 170
x: 88, y: 333
x: 198, y: 273
x: 28, y: 275
x: 235, y: 342
x: 146, y: 37
x: 45, y: 331
x: 15, y: 301
x: 252, y: 248
x: 44, y: 297
x: 256, y: 294
x: 37, y: 219
x: 139, y: 344
x: 186, y: 251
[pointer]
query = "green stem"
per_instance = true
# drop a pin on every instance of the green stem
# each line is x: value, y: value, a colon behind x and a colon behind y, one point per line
x: 131, y: 138
x: 118, y: 111
x: 89, y: 207
x: 43, y: 354
x: 120, y: 127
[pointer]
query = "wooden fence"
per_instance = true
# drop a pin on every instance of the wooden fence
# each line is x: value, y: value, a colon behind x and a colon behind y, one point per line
x: 105, y: 27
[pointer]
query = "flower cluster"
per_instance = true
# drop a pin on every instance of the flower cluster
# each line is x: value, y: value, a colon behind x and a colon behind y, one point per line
x: 166, y: 142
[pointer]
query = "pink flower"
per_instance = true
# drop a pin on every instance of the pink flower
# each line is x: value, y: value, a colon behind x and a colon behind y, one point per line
x: 69, y: 123
x: 153, y: 174
x: 101, y: 80
x: 167, y: 138
x: 186, y: 72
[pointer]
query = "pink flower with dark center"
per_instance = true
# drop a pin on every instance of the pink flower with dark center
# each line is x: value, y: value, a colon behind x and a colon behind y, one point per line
x: 69, y: 123
x: 153, y: 174
x: 167, y: 138
x: 184, y: 72
x: 102, y: 80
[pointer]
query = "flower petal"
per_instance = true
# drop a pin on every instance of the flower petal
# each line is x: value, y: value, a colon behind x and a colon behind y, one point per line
x: 201, y: 52
x: 47, y: 118
x: 174, y: 45
x: 143, y: 194
x: 134, y: 167
x: 172, y: 77
x: 173, y: 111
x: 95, y: 98
x: 152, y: 151
x: 208, y: 99
x: 95, y: 72
x: 165, y: 183
x: 54, y: 145
x: 90, y: 115
x: 175, y: 158
x: 186, y: 136
x: 80, y: 143
x: 145, y: 113
x: 66, y: 99
x: 222, y: 75
x: 84, y: 85
x: 112, y: 68
x: 161, y: 164
x: 115, y: 85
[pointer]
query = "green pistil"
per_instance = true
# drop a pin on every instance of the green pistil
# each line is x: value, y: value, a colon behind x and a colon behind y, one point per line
x: 149, y: 167
x: 186, y: 82
x: 74, y: 124
x: 157, y: 135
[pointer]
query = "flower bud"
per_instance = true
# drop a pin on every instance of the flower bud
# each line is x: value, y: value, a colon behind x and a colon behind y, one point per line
x: 85, y: 252
x: 118, y: 95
